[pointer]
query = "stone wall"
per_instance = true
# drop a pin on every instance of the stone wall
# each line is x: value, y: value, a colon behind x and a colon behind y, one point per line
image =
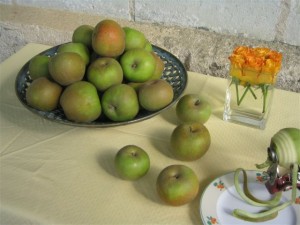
x: 269, y: 20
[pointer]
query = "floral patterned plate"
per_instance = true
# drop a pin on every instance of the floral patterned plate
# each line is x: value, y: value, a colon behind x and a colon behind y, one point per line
x: 220, y: 199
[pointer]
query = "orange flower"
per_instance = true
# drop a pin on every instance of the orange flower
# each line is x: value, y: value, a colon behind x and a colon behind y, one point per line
x: 297, y: 201
x: 213, y: 220
x: 255, y: 65
x: 220, y: 186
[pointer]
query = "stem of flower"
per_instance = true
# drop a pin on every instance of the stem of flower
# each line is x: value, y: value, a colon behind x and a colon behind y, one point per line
x: 244, y: 94
x: 237, y: 91
x: 253, y: 94
x: 265, y: 94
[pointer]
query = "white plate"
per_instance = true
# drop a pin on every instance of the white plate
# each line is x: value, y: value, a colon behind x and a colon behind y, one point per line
x: 220, y: 199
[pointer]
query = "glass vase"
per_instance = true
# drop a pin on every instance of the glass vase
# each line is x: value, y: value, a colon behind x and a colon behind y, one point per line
x: 246, y: 103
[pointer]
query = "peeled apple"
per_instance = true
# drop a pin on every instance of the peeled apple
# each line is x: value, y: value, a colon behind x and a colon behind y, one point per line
x: 285, y: 151
x: 286, y: 144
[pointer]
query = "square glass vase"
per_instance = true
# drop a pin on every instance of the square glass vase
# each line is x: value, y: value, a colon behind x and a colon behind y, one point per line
x: 247, y: 104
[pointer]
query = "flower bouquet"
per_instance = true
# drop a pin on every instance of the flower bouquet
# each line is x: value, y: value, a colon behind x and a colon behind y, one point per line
x: 253, y: 73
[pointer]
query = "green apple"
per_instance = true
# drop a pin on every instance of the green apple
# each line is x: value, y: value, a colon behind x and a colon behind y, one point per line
x: 138, y: 65
x: 193, y: 108
x: 190, y: 141
x: 155, y: 94
x: 43, y: 94
x: 83, y: 34
x: 38, y: 67
x: 120, y: 103
x: 134, y: 38
x: 177, y: 185
x: 148, y: 47
x: 80, y: 102
x: 105, y: 72
x: 78, y: 48
x: 132, y: 162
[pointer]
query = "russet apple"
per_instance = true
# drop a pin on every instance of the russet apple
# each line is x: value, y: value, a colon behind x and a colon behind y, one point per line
x: 66, y: 68
x: 132, y: 162
x: 108, y: 38
x: 78, y: 48
x: 80, y: 102
x: 177, y: 185
x: 43, y: 94
x: 155, y: 94
x: 159, y: 68
x: 193, y: 108
x: 190, y: 141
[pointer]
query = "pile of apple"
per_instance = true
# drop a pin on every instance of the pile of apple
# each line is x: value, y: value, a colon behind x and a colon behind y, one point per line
x: 107, y: 70
x: 113, y: 69
x: 176, y: 184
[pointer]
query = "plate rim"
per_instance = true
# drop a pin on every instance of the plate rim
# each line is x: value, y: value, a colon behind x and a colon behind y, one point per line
x: 99, y: 124
x: 204, y: 218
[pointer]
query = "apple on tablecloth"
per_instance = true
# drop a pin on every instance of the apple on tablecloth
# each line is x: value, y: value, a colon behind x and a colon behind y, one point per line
x: 193, y: 108
x: 177, y: 185
x: 132, y: 162
x: 190, y: 141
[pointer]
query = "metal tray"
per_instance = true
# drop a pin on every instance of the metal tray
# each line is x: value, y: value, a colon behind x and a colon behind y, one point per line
x: 174, y: 73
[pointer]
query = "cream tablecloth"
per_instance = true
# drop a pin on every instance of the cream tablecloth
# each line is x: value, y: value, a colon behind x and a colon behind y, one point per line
x: 59, y: 174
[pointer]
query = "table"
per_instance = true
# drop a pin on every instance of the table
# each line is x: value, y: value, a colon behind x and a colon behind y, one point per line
x: 59, y: 174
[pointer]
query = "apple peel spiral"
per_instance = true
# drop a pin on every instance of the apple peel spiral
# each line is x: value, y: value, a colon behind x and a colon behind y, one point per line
x: 286, y: 144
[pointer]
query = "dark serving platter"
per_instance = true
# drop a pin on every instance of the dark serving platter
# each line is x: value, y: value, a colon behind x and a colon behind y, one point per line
x: 174, y: 73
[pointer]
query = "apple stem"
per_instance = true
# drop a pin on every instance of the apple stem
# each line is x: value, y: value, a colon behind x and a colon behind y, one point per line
x: 112, y: 107
x: 197, y: 102
x: 176, y: 176
x: 133, y: 154
x: 134, y: 65
x: 193, y: 130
